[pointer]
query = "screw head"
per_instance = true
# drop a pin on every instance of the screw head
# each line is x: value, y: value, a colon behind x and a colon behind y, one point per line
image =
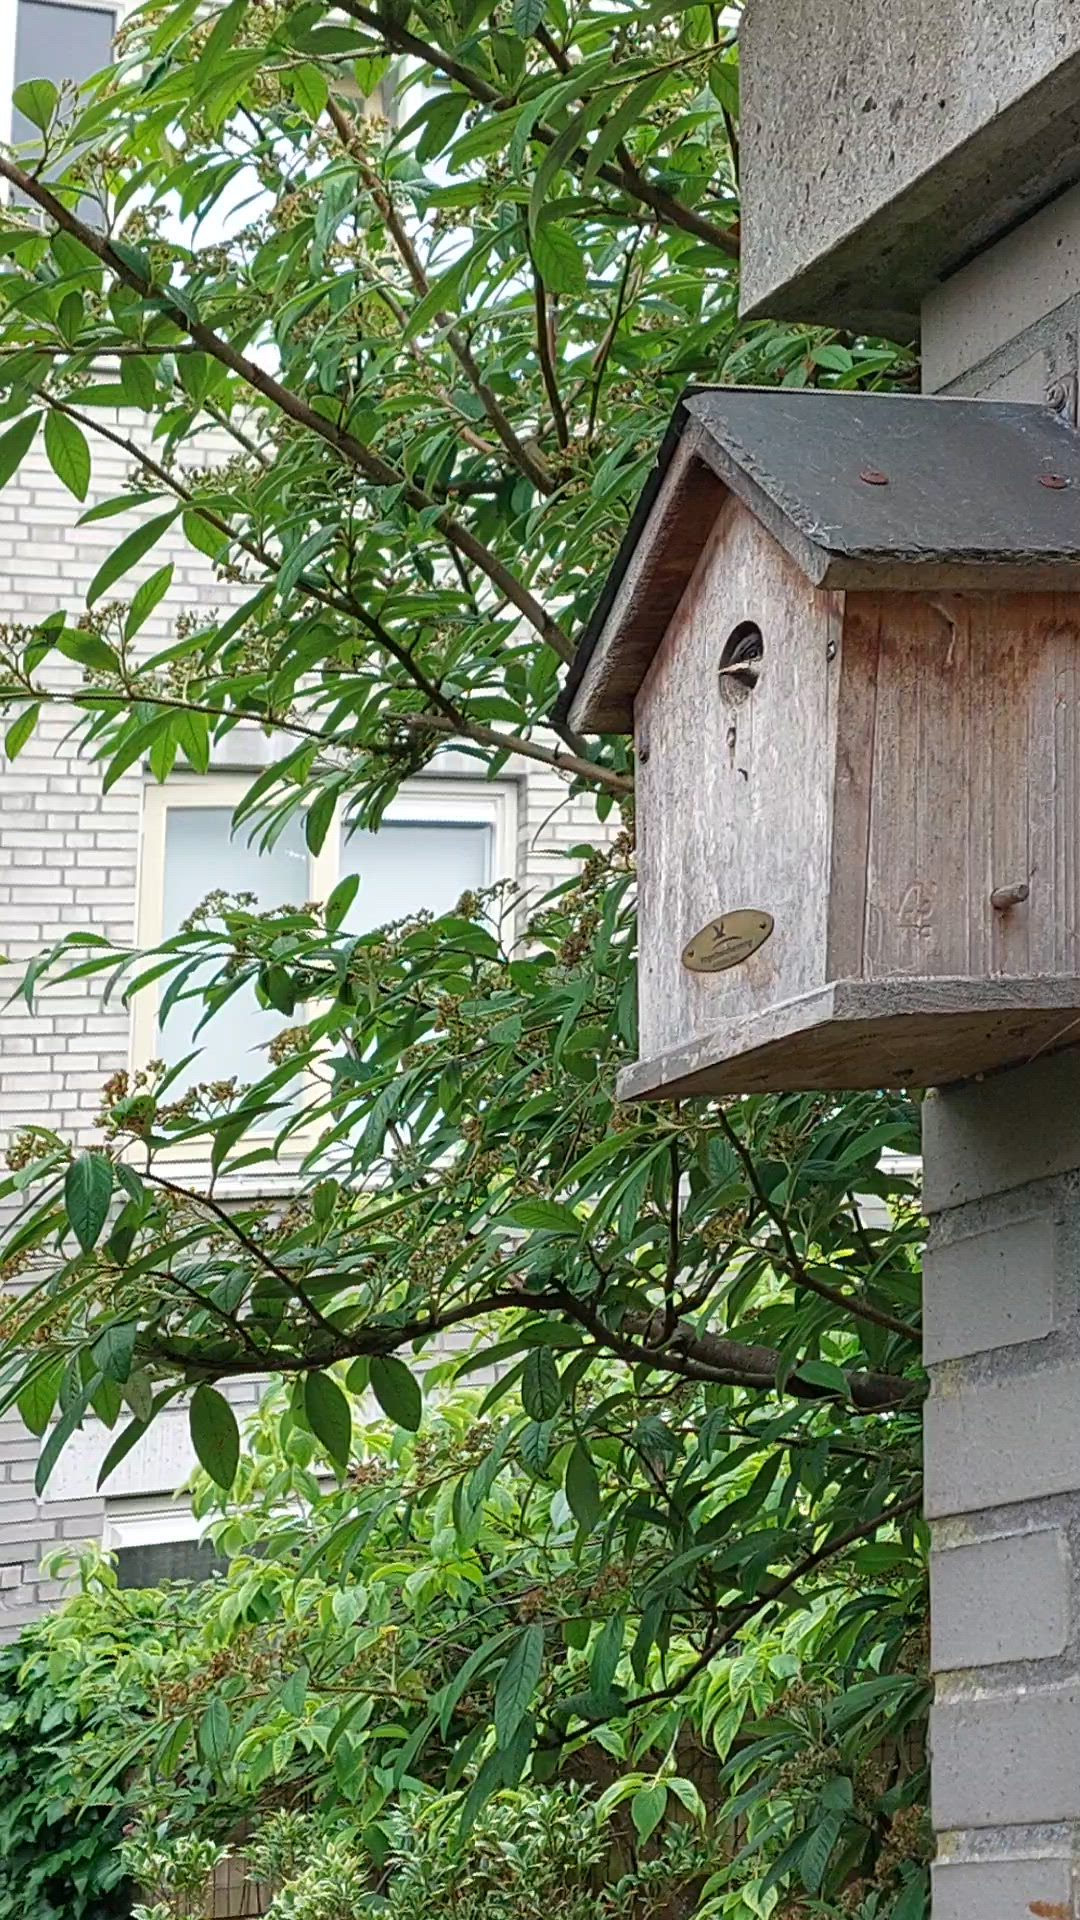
x: 1054, y: 480
x: 873, y: 478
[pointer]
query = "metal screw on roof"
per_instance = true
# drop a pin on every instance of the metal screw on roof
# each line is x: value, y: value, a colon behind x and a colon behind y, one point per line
x: 873, y: 478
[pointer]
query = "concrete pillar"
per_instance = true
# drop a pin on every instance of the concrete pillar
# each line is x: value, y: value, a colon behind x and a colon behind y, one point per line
x: 1002, y: 1444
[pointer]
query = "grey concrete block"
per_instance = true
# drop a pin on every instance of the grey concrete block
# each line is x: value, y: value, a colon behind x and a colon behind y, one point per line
x: 991, y: 1442
x: 1001, y: 1132
x: 1002, y: 1889
x: 1002, y: 1599
x: 1002, y: 1759
x: 999, y: 295
x: 924, y: 133
x: 989, y: 1289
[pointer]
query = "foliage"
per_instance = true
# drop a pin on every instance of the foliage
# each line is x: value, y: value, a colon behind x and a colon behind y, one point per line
x: 58, y: 1861
x: 440, y: 359
x: 356, y: 1657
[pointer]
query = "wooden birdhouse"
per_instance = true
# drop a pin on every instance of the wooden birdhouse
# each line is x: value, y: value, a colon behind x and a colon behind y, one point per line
x: 845, y: 631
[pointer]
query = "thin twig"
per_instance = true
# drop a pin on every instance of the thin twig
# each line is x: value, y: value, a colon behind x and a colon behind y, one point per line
x: 375, y: 469
x: 536, y: 471
x: 860, y: 1309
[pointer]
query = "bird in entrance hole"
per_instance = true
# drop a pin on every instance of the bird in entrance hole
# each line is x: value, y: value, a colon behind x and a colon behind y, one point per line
x: 742, y: 663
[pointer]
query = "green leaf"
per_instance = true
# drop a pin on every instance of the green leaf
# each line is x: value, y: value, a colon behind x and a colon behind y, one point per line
x: 293, y: 1693
x: 128, y: 553
x: 68, y: 453
x: 814, y: 1859
x: 113, y: 1352
x: 215, y: 1435
x: 15, y: 444
x: 137, y: 380
x: 202, y: 534
x: 396, y: 1390
x: 215, y: 1728
x: 329, y: 1416
x: 526, y: 15
x: 36, y: 100
x: 318, y: 817
x: 582, y: 1488
x: 38, y: 1397
x: 547, y: 1216
x: 62, y: 1432
x: 822, y: 1373
x: 606, y: 1655
x: 341, y: 900
x: 309, y: 89
x: 559, y: 260
x: 541, y: 1390
x: 21, y: 729
x: 647, y: 1809
x: 911, y: 1903
x: 88, y: 1187
x: 517, y: 1682
x: 146, y: 597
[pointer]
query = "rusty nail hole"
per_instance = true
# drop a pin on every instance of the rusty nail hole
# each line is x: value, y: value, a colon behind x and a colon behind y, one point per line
x: 1051, y: 1909
x: 1052, y: 480
x: 873, y: 478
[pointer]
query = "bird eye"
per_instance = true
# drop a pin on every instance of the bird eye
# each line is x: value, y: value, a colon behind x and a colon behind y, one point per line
x: 740, y: 662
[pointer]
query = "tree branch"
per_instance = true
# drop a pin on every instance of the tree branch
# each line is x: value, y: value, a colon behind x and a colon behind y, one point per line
x: 545, y: 349
x: 860, y: 1309
x: 374, y: 468
x: 529, y: 749
x: 669, y: 210
x: 535, y: 471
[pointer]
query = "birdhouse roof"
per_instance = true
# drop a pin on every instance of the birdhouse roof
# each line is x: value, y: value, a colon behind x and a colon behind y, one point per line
x: 897, y: 491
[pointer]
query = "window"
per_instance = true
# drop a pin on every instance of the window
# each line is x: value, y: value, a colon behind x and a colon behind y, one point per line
x: 439, y: 839
x: 51, y: 40
x: 155, y: 1541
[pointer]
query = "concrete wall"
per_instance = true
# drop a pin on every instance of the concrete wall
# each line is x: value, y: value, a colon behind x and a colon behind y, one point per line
x: 882, y: 146
x: 1002, y: 1296
x: 70, y: 857
x: 1002, y: 1290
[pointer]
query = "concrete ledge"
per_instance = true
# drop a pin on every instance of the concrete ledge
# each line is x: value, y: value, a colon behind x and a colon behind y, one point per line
x: 924, y: 133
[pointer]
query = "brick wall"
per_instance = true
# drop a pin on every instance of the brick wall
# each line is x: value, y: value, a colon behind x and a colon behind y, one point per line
x: 69, y: 858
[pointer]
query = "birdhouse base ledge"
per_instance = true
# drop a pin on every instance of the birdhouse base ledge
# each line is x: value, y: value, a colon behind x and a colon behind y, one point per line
x: 870, y: 1033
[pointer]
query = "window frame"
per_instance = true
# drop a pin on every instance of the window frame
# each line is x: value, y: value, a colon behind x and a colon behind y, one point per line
x: 9, y: 29
x: 437, y: 799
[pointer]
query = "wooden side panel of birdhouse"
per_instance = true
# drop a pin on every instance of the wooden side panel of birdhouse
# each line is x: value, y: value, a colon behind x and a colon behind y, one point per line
x: 958, y: 779
x: 734, y: 787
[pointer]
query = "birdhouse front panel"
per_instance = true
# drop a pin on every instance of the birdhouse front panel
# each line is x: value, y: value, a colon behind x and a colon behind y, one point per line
x: 735, y: 733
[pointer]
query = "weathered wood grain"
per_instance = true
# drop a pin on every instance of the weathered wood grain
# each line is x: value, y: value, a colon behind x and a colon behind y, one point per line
x: 734, y: 797
x: 974, y: 784
x: 859, y: 1033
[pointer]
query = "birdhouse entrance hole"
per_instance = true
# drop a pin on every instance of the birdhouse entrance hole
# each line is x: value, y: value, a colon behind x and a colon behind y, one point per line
x: 740, y: 662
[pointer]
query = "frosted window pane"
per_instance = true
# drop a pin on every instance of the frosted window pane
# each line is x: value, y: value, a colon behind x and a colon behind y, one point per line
x: 200, y: 856
x: 408, y: 865
x: 59, y: 43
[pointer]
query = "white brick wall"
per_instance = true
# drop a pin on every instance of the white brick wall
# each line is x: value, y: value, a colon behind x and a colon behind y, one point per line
x: 69, y: 858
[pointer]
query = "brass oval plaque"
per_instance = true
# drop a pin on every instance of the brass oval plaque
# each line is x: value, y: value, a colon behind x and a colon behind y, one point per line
x: 727, y: 941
